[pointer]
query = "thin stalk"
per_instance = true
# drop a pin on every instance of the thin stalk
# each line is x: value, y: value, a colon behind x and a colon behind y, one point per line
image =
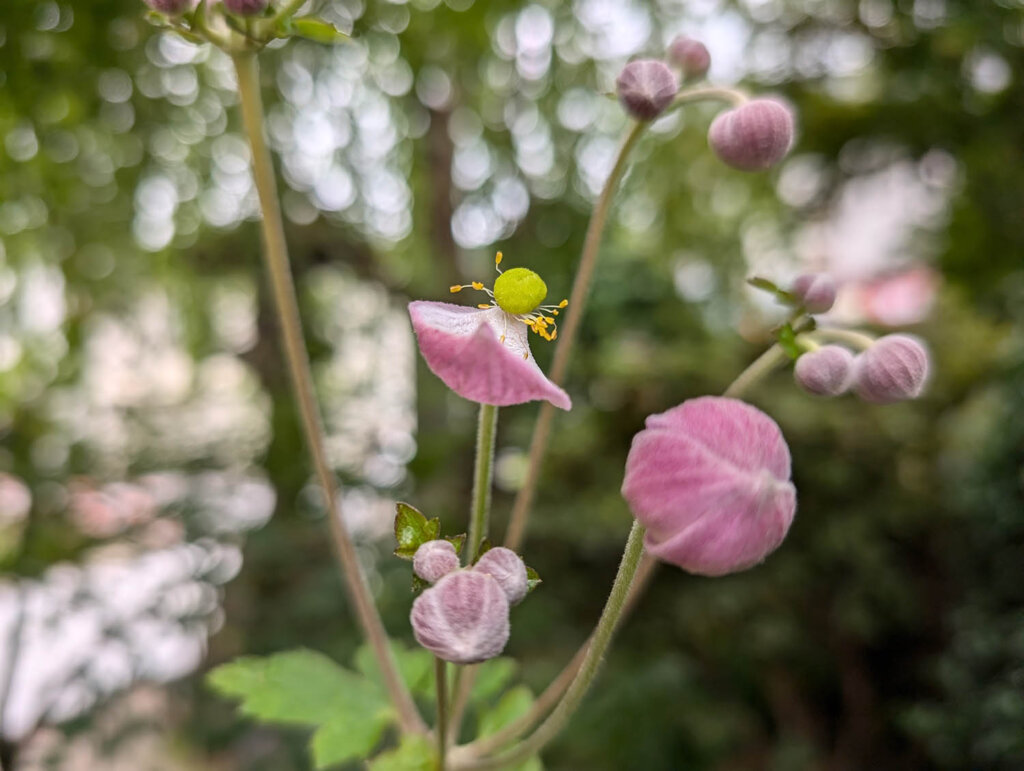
x: 483, y: 471
x: 761, y: 366
x: 602, y: 637
x: 857, y: 339
x: 275, y: 254
x: 441, y: 677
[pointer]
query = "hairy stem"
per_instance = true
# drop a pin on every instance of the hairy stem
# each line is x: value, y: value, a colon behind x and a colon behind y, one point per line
x: 753, y: 374
x: 441, y: 685
x: 275, y: 252
x: 857, y: 339
x: 483, y: 471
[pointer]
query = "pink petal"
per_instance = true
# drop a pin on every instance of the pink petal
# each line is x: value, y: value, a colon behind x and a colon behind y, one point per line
x: 462, y: 347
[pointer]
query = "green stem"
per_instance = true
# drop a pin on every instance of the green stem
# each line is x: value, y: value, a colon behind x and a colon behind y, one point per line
x: 753, y: 374
x: 599, y: 642
x: 857, y: 339
x: 483, y: 471
x: 275, y: 254
x: 441, y: 685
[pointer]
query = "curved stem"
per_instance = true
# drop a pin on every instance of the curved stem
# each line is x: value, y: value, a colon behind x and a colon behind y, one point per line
x: 761, y: 367
x: 275, y: 252
x: 734, y: 97
x: 567, y: 338
x: 483, y: 471
x: 441, y: 685
x: 856, y: 339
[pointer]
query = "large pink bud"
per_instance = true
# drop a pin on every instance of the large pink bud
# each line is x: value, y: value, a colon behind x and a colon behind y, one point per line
x: 435, y: 559
x: 646, y: 87
x: 817, y: 291
x: 709, y: 479
x: 463, y: 618
x: 893, y: 369
x: 507, y: 568
x: 754, y: 136
x: 824, y: 372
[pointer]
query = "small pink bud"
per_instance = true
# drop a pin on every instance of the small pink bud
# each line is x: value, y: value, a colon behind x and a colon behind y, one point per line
x: 646, y: 87
x: 709, y: 479
x: 689, y: 55
x: 171, y: 7
x: 463, y: 618
x: 754, y: 136
x: 508, y: 569
x: 826, y: 371
x: 817, y: 291
x: 893, y: 369
x: 435, y: 559
x: 245, y: 7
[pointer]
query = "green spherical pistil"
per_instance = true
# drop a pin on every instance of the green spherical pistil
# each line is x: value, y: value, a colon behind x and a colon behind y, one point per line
x: 519, y: 291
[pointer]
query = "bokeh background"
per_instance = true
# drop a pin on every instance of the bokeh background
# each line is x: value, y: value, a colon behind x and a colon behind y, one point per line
x: 157, y: 515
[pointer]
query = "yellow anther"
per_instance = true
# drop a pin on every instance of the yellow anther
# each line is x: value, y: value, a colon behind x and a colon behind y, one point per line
x: 454, y: 289
x: 483, y: 306
x: 563, y: 304
x: 477, y: 285
x: 526, y: 356
x: 497, y: 259
x: 501, y: 339
x: 554, y: 334
x: 554, y: 313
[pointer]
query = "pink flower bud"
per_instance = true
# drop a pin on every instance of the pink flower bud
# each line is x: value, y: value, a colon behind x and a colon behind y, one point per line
x: 689, y: 55
x: 463, y: 618
x: 435, y: 559
x: 894, y: 368
x: 754, y: 136
x: 709, y: 479
x: 817, y: 291
x: 171, y: 7
x: 646, y: 87
x: 826, y: 371
x: 245, y: 7
x: 507, y: 568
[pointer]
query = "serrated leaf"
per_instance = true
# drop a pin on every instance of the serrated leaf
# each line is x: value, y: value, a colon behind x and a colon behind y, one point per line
x: 491, y: 677
x: 533, y: 579
x: 418, y: 584
x: 511, y: 706
x: 412, y: 530
x: 347, y: 737
x: 415, y: 753
x: 299, y: 686
x: 317, y: 30
x: 458, y: 541
x: 415, y: 665
x: 763, y: 283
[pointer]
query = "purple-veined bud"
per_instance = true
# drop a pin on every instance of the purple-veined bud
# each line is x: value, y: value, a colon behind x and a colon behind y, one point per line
x: 245, y: 7
x: 171, y: 7
x: 817, y: 291
x: 826, y: 371
x: 754, y: 136
x: 463, y: 618
x: 646, y: 87
x: 508, y: 569
x: 709, y: 479
x: 893, y: 369
x: 690, y: 56
x: 435, y: 559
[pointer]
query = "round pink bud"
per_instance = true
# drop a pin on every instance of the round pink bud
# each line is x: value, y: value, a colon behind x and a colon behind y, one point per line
x: 709, y: 479
x: 171, y: 7
x: 817, y: 291
x: 435, y: 559
x: 825, y: 372
x: 893, y: 369
x: 689, y: 55
x: 463, y: 618
x: 754, y: 136
x: 245, y: 7
x: 646, y: 87
x: 508, y: 569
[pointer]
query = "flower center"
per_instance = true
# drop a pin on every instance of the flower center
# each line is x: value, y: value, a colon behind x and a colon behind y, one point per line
x: 519, y: 290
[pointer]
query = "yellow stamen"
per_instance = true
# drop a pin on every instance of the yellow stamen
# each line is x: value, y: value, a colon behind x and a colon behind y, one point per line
x: 526, y: 356
x: 563, y: 304
x: 454, y: 289
x: 483, y: 306
x: 497, y: 259
x: 477, y: 285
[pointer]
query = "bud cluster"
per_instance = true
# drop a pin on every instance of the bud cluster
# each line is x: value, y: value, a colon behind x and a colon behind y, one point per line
x: 892, y: 369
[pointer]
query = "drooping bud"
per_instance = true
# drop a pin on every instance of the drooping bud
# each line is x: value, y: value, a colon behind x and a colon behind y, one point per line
x: 690, y: 56
x: 508, y: 569
x: 463, y: 618
x: 245, y: 7
x: 709, y: 479
x: 826, y: 371
x: 435, y: 559
x: 893, y: 369
x: 646, y: 87
x: 754, y: 136
x: 171, y: 7
x: 817, y: 291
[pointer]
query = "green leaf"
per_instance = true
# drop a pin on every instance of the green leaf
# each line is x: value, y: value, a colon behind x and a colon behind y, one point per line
x: 533, y: 579
x: 513, y: 704
x: 787, y: 298
x: 415, y: 753
x: 458, y: 541
x: 347, y: 737
x: 491, y: 677
x: 317, y: 30
x: 412, y: 530
x: 299, y: 686
x: 485, y: 546
x: 415, y: 665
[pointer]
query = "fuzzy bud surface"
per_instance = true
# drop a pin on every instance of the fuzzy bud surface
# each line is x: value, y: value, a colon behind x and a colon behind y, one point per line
x: 435, y: 559
x: 690, y: 56
x: 826, y: 371
x: 463, y: 618
x: 507, y: 568
x: 893, y: 369
x: 646, y: 87
x: 245, y: 7
x: 817, y: 291
x: 754, y: 136
x: 709, y: 479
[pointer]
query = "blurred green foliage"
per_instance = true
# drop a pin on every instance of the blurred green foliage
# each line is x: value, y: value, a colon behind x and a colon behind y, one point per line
x: 886, y: 633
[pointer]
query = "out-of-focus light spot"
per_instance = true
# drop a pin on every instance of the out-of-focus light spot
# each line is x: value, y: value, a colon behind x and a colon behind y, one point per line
x: 694, y: 278
x: 511, y: 199
x: 802, y: 180
x: 21, y: 143
x: 114, y: 86
x: 988, y: 72
x: 334, y: 190
x: 434, y: 88
x: 615, y: 29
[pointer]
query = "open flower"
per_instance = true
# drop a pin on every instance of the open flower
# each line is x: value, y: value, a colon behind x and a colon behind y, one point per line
x: 483, y: 353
